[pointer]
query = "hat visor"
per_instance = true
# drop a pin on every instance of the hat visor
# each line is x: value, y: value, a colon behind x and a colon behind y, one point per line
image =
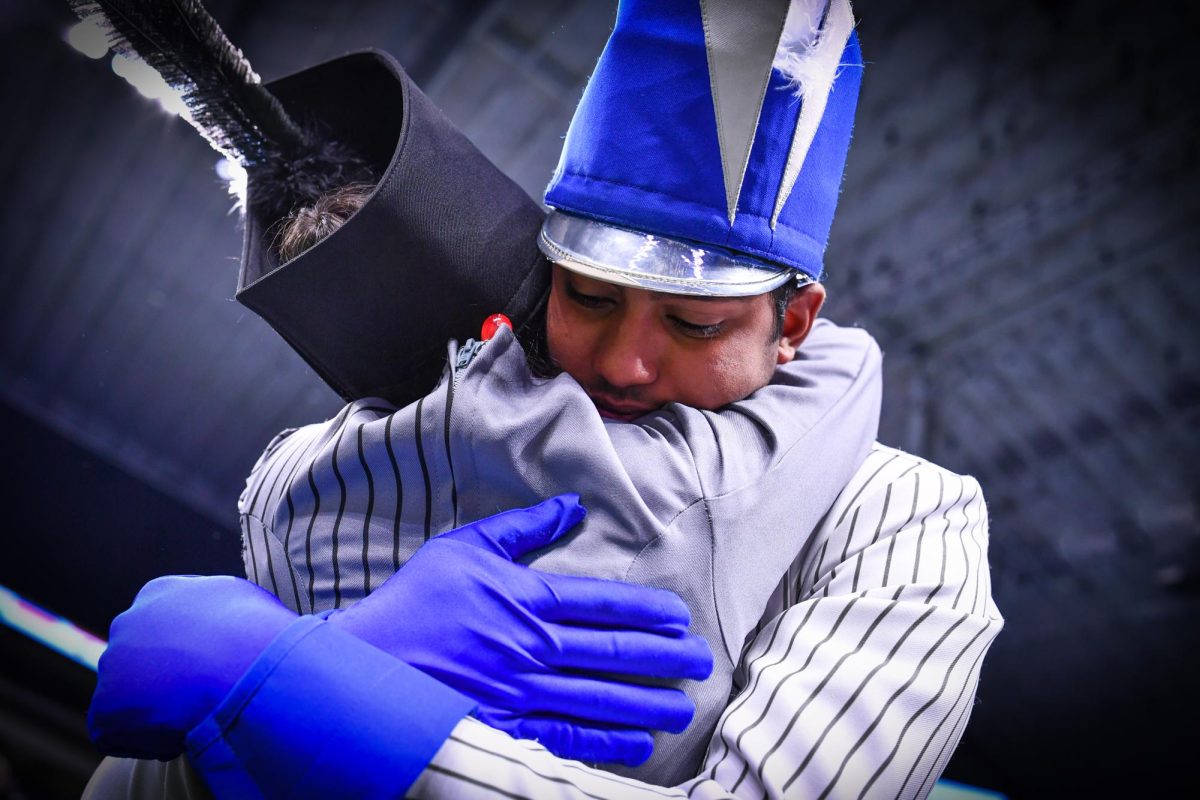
x: 656, y: 263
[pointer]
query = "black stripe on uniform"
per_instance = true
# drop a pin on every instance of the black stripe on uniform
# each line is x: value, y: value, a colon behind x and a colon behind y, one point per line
x: 424, y: 469
x: 924, y: 520
x: 779, y: 686
x: 963, y: 542
x: 887, y: 565
x: 312, y: 520
x: 337, y: 521
x: 820, y: 560
x: 366, y: 531
x: 283, y: 467
x: 287, y: 541
x: 746, y: 695
x: 945, y: 533
x: 962, y: 718
x: 887, y: 501
x: 762, y: 765
x: 387, y: 443
x: 275, y: 483
x: 920, y: 711
x: 287, y: 538
x: 883, y: 710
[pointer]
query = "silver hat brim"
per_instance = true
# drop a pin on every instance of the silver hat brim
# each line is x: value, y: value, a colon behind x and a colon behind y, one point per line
x: 656, y: 263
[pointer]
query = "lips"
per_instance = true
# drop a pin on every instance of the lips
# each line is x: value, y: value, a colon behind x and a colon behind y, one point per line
x: 625, y: 412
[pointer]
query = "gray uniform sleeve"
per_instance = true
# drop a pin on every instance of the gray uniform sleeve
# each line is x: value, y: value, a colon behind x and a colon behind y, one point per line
x: 769, y: 467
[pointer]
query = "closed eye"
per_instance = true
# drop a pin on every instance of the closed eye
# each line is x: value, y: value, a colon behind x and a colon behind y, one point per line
x: 698, y: 331
x: 588, y: 300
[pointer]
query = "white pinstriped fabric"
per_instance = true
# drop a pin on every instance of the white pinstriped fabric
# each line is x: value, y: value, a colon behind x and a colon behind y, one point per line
x: 713, y: 506
x: 858, y: 682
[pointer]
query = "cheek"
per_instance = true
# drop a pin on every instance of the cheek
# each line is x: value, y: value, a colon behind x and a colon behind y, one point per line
x: 730, y: 374
x: 562, y: 336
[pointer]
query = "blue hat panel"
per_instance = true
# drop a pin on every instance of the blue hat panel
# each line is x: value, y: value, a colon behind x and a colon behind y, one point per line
x: 642, y: 150
x: 802, y: 231
x: 752, y: 227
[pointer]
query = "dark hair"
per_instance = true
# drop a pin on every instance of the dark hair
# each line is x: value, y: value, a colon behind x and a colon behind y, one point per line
x: 307, y: 225
x: 782, y: 296
x: 532, y: 335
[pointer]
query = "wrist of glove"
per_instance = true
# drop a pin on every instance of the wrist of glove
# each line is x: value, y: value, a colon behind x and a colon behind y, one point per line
x: 538, y: 651
x: 173, y: 656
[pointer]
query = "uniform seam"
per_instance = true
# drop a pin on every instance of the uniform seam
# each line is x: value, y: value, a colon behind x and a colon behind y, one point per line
x: 270, y: 530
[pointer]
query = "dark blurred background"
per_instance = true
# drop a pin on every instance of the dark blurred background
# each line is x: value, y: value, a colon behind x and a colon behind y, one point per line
x: 1018, y: 229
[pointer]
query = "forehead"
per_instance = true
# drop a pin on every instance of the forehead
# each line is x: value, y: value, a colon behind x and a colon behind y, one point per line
x: 588, y: 282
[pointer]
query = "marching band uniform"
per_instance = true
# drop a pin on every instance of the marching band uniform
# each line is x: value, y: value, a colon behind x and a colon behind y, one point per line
x: 855, y: 674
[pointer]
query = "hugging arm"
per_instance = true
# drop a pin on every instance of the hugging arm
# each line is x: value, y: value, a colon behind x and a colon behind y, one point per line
x: 270, y: 704
x: 859, y: 681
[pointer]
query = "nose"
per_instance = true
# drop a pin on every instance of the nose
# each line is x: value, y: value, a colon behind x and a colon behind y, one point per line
x: 628, y: 356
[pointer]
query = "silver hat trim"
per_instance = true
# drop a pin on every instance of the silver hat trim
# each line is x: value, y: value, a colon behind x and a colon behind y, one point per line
x: 646, y: 261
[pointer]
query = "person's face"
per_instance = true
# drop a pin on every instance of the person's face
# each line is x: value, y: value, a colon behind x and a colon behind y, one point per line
x: 633, y: 350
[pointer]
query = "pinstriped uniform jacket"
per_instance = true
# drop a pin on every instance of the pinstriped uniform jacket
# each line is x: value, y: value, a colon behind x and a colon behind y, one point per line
x: 858, y: 681
x: 714, y: 506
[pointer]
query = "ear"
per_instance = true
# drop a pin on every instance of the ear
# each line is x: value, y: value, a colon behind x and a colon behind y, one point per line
x: 798, y: 320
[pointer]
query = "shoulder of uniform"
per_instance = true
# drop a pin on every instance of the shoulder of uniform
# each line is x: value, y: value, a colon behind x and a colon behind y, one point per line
x: 887, y: 468
x: 274, y: 444
x: 267, y: 455
x: 882, y: 457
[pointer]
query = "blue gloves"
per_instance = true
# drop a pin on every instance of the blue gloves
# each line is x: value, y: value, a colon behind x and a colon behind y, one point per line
x: 173, y: 656
x: 537, y: 651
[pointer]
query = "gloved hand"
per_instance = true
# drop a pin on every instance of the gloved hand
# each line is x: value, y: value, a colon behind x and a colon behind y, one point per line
x: 537, y: 651
x: 173, y: 656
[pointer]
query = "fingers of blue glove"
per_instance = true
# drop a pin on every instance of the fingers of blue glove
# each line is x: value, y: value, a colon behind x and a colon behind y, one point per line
x: 236, y: 617
x: 610, y: 702
x: 173, y: 655
x: 567, y: 739
x: 191, y: 598
x: 166, y: 586
x: 593, y: 601
x: 514, y: 533
x: 635, y: 653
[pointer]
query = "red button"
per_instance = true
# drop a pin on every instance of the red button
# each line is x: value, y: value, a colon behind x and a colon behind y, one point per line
x: 493, y: 324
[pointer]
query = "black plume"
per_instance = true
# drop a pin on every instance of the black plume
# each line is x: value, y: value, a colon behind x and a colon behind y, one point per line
x: 227, y: 103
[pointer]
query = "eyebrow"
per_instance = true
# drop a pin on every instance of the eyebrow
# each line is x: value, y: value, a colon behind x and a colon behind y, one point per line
x: 664, y: 296
x: 658, y: 297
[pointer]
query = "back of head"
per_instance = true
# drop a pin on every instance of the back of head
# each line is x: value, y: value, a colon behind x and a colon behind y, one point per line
x: 442, y: 239
x: 307, y: 225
